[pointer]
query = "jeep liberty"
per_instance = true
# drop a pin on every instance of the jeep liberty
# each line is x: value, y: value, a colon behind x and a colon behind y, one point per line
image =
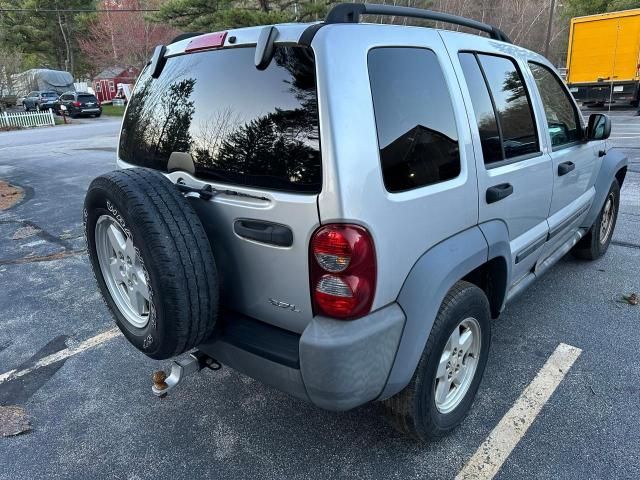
x: 340, y: 209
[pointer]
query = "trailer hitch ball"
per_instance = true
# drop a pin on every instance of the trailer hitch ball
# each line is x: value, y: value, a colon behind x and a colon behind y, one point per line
x: 180, y: 369
x: 159, y: 378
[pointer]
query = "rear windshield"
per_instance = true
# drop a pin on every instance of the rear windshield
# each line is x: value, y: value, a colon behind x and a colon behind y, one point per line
x: 50, y: 94
x: 240, y: 125
x: 86, y: 98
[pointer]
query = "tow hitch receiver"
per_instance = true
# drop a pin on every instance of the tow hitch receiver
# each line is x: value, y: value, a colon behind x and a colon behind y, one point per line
x: 180, y: 369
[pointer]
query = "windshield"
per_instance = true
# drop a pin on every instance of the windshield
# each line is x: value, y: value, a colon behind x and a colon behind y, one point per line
x: 240, y: 125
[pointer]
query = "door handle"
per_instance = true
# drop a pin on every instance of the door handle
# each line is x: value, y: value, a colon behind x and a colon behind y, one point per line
x: 264, y: 232
x: 498, y: 192
x: 565, y: 168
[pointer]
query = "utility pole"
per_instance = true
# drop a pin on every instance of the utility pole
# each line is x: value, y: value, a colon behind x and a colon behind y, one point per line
x: 549, y: 25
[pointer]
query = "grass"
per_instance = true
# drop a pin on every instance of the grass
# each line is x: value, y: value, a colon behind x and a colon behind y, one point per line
x: 112, y: 110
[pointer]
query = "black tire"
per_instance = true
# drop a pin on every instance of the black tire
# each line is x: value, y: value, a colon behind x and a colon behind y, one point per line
x: 592, y: 246
x: 175, y: 254
x: 413, y: 411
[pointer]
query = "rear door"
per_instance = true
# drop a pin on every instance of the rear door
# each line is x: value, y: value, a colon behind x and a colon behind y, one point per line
x: 514, y: 176
x: 574, y: 161
x: 212, y: 118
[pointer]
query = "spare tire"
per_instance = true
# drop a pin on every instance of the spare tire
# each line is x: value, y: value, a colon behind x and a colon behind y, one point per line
x: 152, y: 260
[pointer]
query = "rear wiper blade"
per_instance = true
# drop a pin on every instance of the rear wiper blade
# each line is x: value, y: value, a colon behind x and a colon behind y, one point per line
x: 207, y: 192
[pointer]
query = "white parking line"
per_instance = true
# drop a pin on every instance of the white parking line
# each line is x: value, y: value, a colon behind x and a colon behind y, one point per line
x: 488, y: 459
x: 62, y: 354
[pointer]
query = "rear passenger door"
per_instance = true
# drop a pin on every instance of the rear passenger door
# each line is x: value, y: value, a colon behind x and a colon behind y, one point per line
x: 514, y: 176
x: 574, y: 160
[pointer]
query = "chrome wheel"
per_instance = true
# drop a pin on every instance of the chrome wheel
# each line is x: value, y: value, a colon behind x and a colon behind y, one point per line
x: 608, y: 214
x: 122, y: 270
x: 458, y: 365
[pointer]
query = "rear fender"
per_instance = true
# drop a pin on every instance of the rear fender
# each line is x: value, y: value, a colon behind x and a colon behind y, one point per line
x: 426, y: 286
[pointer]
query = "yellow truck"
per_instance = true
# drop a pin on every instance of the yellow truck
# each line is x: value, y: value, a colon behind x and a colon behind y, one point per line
x: 603, y: 58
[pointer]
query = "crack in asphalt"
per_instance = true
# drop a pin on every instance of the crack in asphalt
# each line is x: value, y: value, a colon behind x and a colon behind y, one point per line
x: 42, y: 258
x: 41, y: 232
x: 625, y: 244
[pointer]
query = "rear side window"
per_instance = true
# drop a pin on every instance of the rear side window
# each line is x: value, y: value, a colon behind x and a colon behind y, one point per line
x: 240, y: 125
x: 414, y: 115
x: 483, y: 108
x: 562, y: 116
x: 497, y: 80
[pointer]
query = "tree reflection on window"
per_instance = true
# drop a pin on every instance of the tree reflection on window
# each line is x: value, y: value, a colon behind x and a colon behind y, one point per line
x: 240, y: 125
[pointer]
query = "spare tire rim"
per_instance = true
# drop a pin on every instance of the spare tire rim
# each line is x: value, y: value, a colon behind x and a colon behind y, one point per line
x: 606, y: 224
x: 457, y: 366
x: 123, y: 271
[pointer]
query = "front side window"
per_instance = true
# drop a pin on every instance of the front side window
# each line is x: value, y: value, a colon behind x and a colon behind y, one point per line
x: 415, y: 122
x: 502, y: 107
x: 562, y: 116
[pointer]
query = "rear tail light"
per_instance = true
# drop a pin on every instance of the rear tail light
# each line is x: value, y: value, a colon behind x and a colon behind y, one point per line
x: 76, y: 104
x: 343, y: 271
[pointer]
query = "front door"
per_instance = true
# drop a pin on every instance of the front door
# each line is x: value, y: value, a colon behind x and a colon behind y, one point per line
x: 574, y: 161
x: 514, y: 175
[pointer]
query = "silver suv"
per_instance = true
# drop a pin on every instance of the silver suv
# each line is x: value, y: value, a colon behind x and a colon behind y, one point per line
x: 339, y: 209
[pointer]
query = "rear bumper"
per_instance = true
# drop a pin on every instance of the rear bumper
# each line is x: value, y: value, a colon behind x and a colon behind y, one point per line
x: 623, y: 92
x: 337, y: 365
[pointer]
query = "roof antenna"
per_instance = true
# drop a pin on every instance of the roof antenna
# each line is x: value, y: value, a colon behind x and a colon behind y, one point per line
x: 265, y: 48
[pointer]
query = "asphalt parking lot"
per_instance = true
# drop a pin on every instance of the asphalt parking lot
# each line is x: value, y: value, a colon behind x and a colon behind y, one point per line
x: 93, y: 415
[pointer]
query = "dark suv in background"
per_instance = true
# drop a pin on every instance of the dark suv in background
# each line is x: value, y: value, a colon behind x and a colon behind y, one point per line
x: 79, y: 103
x: 39, y: 100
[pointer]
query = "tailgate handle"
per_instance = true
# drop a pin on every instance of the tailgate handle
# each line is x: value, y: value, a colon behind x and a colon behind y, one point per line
x: 264, y: 232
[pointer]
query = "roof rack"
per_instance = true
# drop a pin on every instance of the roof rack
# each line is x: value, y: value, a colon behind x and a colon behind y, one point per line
x: 350, y: 13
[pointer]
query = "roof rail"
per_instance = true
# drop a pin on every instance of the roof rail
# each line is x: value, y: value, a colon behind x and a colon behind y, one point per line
x: 350, y: 13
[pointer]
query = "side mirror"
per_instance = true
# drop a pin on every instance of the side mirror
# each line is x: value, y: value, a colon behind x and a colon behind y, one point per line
x: 599, y: 127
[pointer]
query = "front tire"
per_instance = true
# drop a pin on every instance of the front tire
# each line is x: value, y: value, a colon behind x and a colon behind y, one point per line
x: 448, y: 375
x: 152, y: 260
x: 597, y: 240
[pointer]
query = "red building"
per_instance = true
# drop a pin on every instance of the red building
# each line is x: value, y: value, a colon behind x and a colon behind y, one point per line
x: 105, y: 84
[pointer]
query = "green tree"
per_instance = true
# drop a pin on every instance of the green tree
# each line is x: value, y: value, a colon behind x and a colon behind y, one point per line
x: 207, y: 15
x: 577, y: 8
x: 48, y: 39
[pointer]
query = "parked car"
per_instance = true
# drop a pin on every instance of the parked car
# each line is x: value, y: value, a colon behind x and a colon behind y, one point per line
x: 39, y: 100
x: 7, y: 100
x: 79, y: 103
x: 340, y: 209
